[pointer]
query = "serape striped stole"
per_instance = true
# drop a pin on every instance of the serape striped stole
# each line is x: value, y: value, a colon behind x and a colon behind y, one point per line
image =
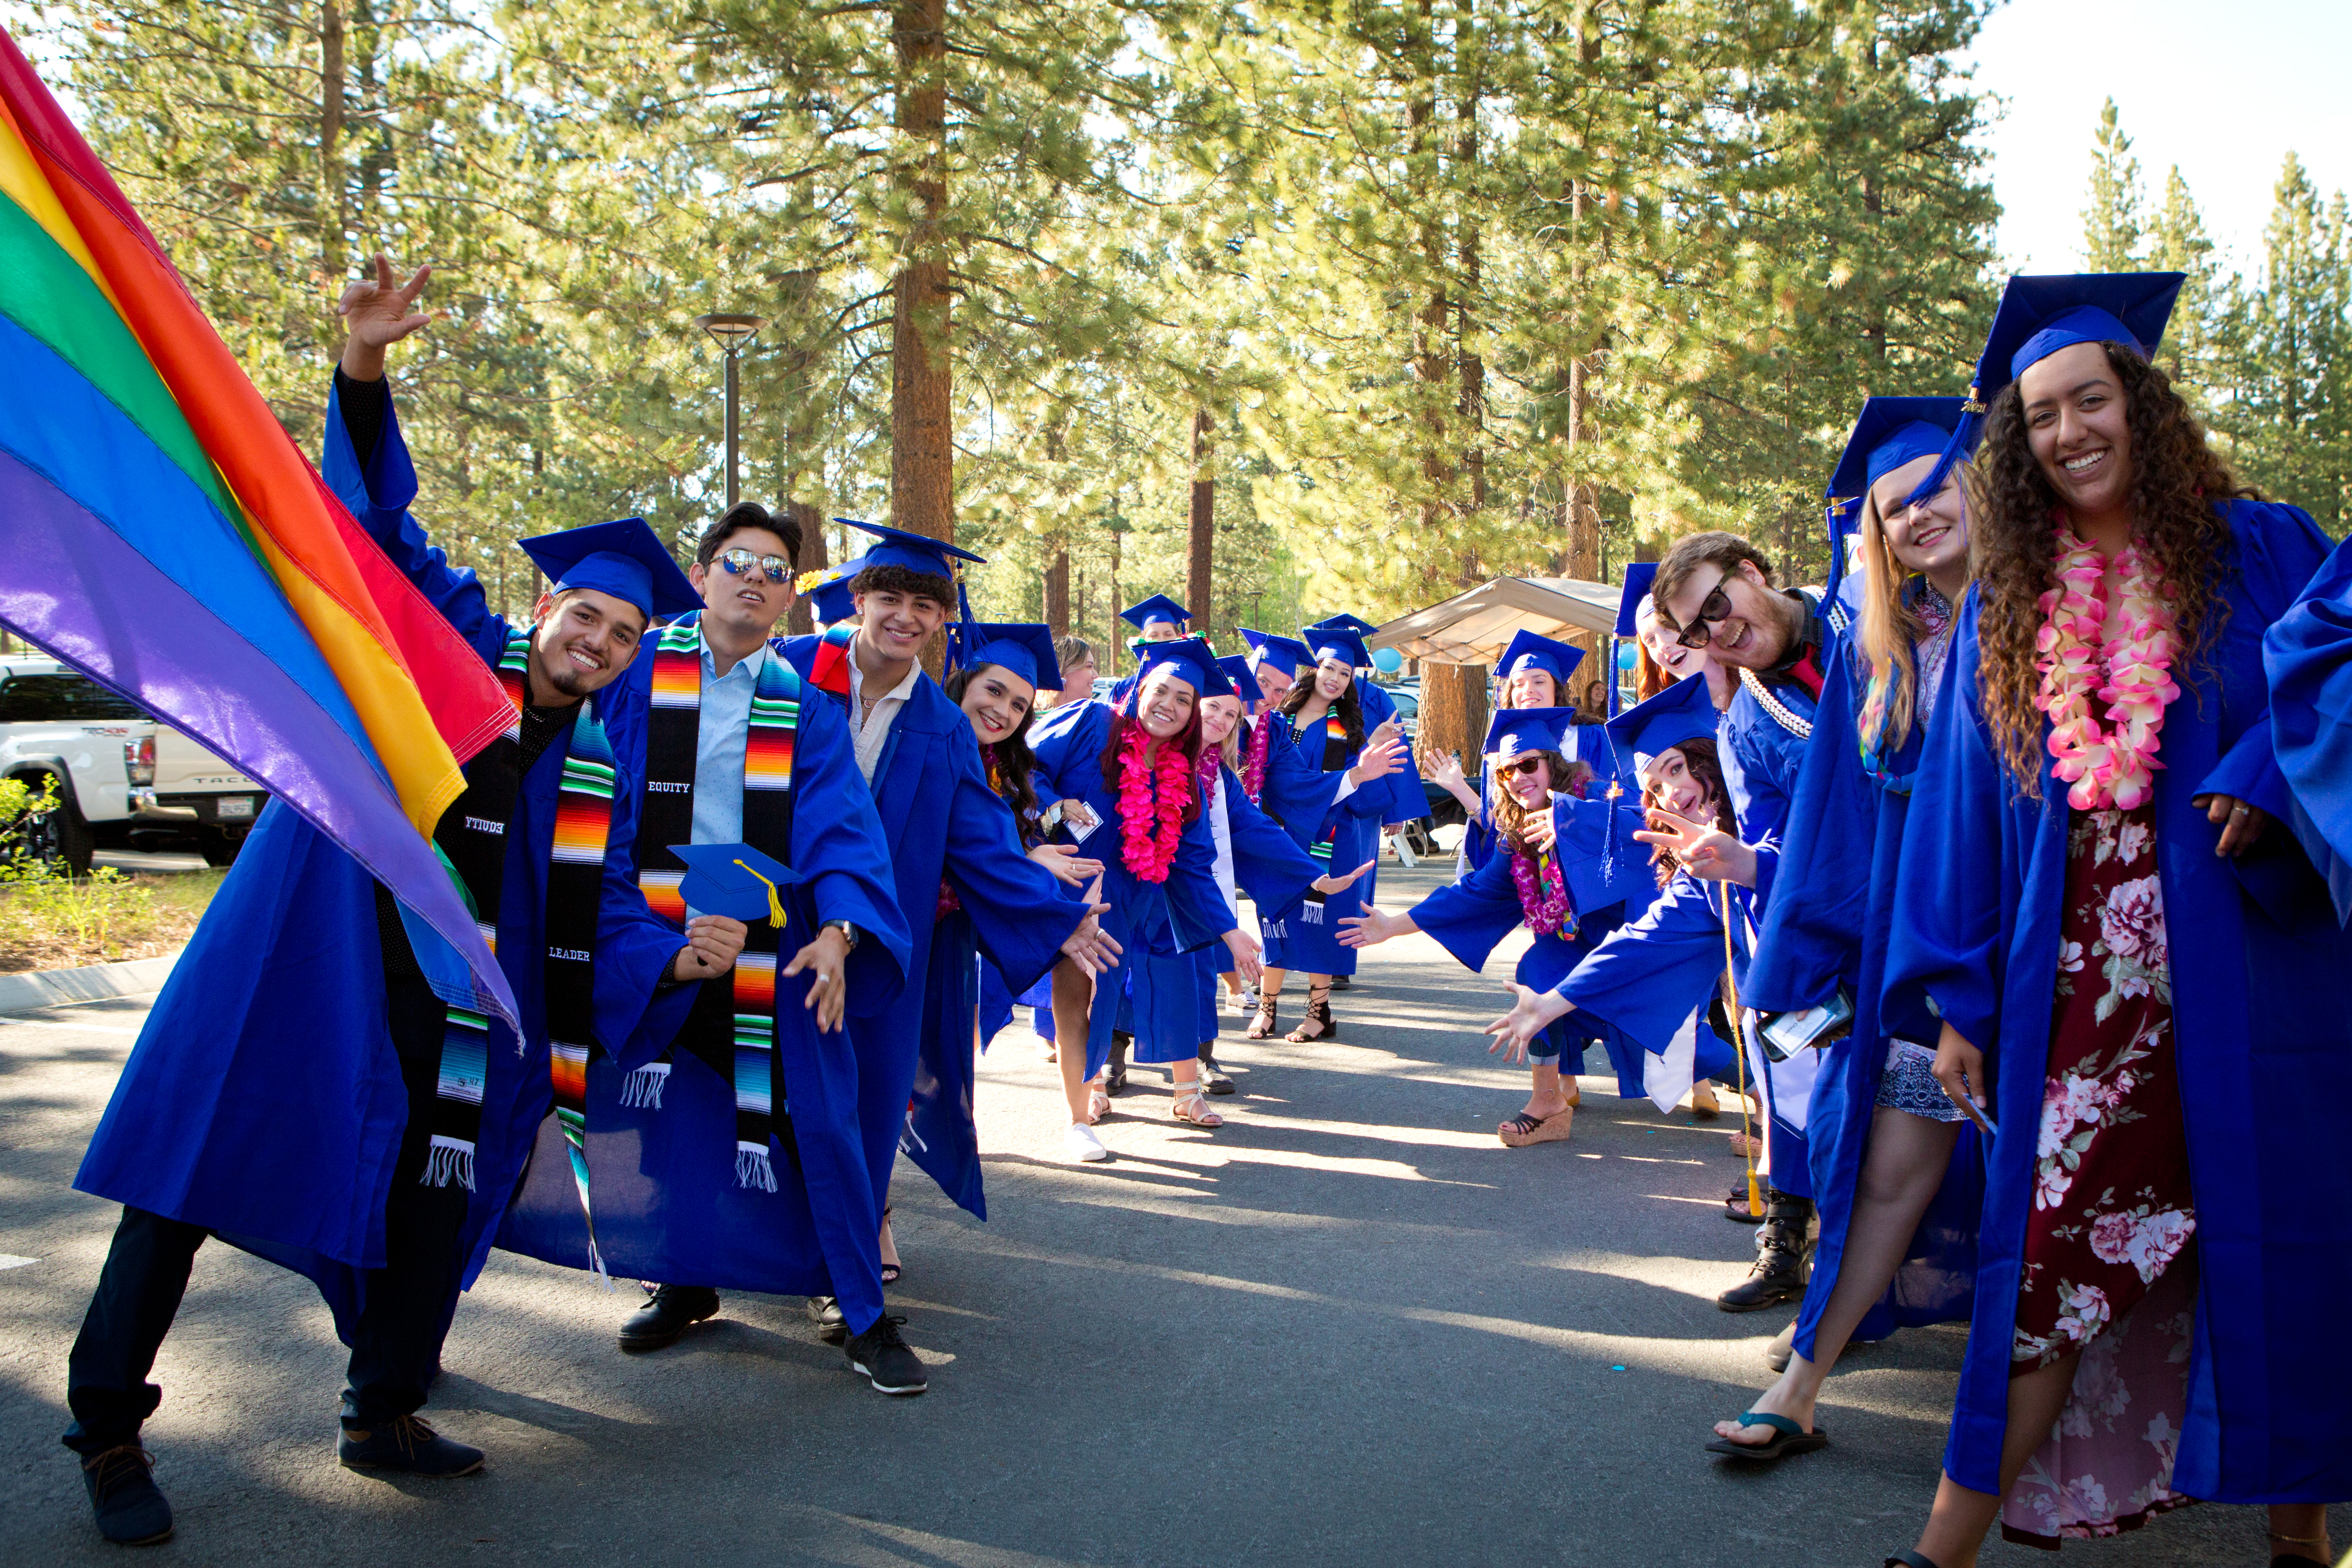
x: 732, y: 1025
x: 472, y: 838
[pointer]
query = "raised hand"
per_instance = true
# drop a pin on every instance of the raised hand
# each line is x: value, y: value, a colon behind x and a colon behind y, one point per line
x: 1443, y: 769
x: 1539, y: 832
x: 1327, y: 886
x: 1705, y: 851
x: 1064, y: 861
x: 379, y: 313
x: 1383, y: 754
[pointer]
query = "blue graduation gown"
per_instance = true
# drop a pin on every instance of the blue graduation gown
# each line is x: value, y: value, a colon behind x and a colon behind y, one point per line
x: 1399, y: 794
x: 1839, y: 878
x: 1761, y: 758
x: 238, y: 1111
x: 1653, y: 977
x: 2309, y: 655
x: 941, y: 821
x: 1302, y: 797
x: 1468, y: 917
x: 2262, y: 1044
x: 1186, y: 912
x: 1172, y: 995
x: 668, y: 1202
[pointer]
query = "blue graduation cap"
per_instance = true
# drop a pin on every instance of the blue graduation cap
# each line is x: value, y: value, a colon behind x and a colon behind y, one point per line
x: 1516, y: 731
x: 1287, y: 655
x: 830, y: 599
x: 623, y: 558
x: 1343, y: 644
x: 1191, y: 658
x: 1684, y: 711
x: 1530, y: 651
x: 1589, y: 832
x: 1237, y: 670
x: 916, y: 552
x: 734, y: 880
x: 1639, y: 575
x: 1889, y: 433
x: 1020, y: 648
x: 1159, y: 607
x: 2038, y: 316
x: 1345, y: 622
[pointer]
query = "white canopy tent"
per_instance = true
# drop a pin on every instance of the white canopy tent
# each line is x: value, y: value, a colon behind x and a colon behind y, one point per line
x: 1472, y: 627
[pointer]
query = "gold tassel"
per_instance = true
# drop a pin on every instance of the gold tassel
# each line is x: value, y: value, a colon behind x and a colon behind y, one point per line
x: 775, y: 903
x: 1739, y: 1054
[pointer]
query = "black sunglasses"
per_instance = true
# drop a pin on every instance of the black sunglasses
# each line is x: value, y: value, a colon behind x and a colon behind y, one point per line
x: 1717, y: 606
x: 1525, y: 764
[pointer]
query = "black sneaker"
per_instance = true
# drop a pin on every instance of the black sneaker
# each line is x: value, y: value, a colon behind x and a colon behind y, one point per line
x: 882, y: 1353
x: 1212, y: 1077
x: 668, y: 1313
x: 406, y: 1444
x: 826, y: 1313
x: 130, y: 1508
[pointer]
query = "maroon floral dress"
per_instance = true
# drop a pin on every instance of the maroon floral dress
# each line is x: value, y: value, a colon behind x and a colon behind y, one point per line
x: 2113, y: 1214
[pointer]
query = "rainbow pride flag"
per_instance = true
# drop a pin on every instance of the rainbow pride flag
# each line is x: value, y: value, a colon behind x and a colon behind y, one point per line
x: 160, y: 531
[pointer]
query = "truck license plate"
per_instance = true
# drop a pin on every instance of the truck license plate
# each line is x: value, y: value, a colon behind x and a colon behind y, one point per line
x: 236, y: 805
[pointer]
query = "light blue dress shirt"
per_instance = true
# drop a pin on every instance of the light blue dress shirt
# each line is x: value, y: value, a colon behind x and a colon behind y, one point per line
x: 724, y: 723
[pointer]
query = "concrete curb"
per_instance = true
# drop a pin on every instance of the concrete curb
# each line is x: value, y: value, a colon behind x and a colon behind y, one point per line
x: 48, y: 987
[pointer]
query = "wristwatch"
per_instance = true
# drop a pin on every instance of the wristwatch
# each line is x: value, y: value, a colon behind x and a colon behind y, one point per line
x: 848, y: 932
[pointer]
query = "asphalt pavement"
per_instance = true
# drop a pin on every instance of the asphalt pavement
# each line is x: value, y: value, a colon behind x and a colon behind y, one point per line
x: 1348, y: 1328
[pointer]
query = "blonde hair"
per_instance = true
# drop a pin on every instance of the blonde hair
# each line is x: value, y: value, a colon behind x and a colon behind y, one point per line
x: 1889, y: 630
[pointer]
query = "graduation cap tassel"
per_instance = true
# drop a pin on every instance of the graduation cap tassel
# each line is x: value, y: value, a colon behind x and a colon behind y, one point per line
x: 1964, y: 440
x: 775, y: 903
x: 1740, y: 1056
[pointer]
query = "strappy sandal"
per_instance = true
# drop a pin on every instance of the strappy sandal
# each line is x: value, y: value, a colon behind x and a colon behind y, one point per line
x: 1194, y: 1107
x: 1098, y: 1105
x: 1318, y: 1012
x: 1911, y: 1559
x: 891, y: 1272
x: 1262, y: 1025
x: 1787, y: 1438
x: 1523, y: 1129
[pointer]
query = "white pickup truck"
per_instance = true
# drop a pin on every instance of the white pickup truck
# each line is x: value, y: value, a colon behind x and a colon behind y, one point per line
x: 116, y: 770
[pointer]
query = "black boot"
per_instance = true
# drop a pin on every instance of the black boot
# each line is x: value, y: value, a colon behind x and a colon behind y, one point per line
x: 1212, y: 1077
x: 667, y: 1313
x: 1783, y: 1250
x: 1115, y: 1080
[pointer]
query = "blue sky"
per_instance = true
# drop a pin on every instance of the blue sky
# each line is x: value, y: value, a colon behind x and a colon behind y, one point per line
x: 2223, y: 87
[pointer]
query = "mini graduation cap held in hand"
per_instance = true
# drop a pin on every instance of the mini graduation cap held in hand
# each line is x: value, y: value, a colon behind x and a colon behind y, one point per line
x: 734, y: 880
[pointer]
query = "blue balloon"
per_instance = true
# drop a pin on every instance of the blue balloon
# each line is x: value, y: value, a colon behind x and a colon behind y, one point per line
x: 1387, y: 661
x: 1625, y: 656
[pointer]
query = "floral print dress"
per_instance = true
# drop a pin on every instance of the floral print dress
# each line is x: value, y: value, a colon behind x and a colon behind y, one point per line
x: 2108, y: 1270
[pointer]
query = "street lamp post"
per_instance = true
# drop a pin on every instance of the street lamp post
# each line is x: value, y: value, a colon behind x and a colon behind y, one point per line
x: 732, y: 333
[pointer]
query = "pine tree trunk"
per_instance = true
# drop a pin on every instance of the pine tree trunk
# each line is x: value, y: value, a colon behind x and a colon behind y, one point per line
x: 799, y: 620
x: 1198, y: 595
x: 1057, y: 593
x: 1454, y: 712
x: 331, y: 140
x: 922, y: 449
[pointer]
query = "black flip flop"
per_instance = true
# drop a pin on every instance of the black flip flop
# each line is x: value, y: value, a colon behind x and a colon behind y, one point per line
x: 1788, y: 1438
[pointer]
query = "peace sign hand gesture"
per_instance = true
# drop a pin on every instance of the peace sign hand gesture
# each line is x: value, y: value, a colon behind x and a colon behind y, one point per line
x: 379, y: 314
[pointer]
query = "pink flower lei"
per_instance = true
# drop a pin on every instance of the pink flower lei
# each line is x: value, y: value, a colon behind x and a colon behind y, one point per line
x: 1253, y: 757
x: 1151, y: 808
x: 1548, y: 911
x: 2129, y: 646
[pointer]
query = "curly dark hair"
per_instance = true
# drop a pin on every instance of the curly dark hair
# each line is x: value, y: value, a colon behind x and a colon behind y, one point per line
x: 1348, y: 706
x: 1009, y: 762
x: 2177, y: 485
x: 907, y: 580
x: 1699, y: 757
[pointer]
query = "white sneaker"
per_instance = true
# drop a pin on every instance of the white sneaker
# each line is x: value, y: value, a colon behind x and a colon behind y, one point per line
x: 1081, y: 1144
x: 1249, y: 1001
